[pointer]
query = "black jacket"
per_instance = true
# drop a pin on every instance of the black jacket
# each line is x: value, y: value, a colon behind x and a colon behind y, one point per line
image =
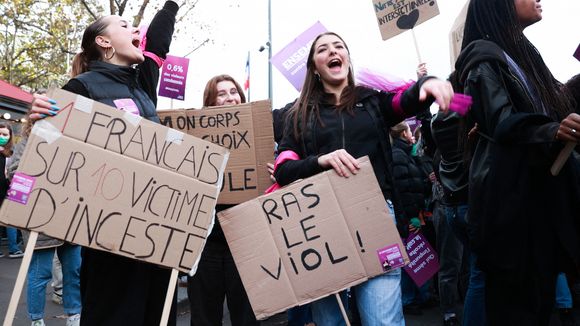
x: 105, y: 82
x: 105, y: 275
x: 519, y: 214
x: 365, y: 132
x: 453, y: 174
x: 408, y: 179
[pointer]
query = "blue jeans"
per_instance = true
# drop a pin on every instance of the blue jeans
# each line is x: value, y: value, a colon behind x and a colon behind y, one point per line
x: 300, y: 315
x: 40, y: 273
x: 12, y: 235
x: 563, y: 295
x: 411, y: 294
x: 378, y: 301
x: 474, y: 303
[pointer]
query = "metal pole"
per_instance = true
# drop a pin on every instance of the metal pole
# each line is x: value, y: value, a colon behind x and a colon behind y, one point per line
x: 270, y: 50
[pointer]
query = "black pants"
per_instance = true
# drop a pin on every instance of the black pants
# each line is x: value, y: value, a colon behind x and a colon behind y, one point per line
x: 530, y: 302
x: 217, y: 278
x: 116, y: 290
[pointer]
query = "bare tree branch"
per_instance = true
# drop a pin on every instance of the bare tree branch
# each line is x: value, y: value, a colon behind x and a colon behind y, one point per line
x: 86, y: 5
x: 139, y: 16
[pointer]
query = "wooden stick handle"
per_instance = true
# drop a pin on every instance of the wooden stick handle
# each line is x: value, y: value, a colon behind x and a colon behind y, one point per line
x: 342, y: 310
x: 24, y: 265
x: 562, y: 158
x: 169, y: 297
x: 416, y: 45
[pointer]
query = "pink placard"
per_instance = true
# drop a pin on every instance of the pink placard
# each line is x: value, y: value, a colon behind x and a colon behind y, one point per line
x: 423, y: 260
x: 173, y: 77
x: 390, y: 257
x: 291, y: 60
x: 20, y: 188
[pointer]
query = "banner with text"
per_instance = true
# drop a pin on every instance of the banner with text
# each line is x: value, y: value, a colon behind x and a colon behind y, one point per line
x: 424, y: 262
x: 291, y: 60
x: 246, y: 130
x: 106, y: 179
x: 173, y: 77
x: 311, y: 239
x: 396, y: 16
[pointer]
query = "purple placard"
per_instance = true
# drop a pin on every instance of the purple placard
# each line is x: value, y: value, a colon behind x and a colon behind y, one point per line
x: 413, y: 124
x: 173, y: 77
x: 20, y: 188
x: 291, y: 60
x: 390, y: 257
x: 423, y: 260
x: 577, y: 53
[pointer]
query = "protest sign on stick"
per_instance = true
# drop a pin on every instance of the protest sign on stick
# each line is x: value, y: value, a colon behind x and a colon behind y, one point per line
x: 291, y: 60
x: 311, y: 239
x: 106, y: 179
x: 246, y: 131
x: 396, y: 16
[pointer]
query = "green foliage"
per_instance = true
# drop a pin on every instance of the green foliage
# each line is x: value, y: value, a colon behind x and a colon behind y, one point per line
x: 39, y: 38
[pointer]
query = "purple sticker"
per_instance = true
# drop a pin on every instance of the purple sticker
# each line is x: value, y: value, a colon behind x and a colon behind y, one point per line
x: 423, y: 260
x: 390, y: 257
x: 577, y: 53
x: 291, y: 60
x: 127, y: 105
x: 173, y: 77
x: 20, y: 188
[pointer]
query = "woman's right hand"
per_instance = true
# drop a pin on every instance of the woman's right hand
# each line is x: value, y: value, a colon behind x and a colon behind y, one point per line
x: 569, y: 129
x: 341, y: 161
x: 42, y: 107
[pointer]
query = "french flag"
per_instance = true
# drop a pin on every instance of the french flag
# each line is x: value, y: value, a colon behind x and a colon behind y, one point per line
x: 247, y: 82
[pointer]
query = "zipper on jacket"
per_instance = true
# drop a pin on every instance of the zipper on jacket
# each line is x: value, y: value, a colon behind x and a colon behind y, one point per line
x: 343, y: 140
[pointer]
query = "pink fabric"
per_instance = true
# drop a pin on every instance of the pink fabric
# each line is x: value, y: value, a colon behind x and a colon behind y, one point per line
x: 385, y: 82
x: 154, y: 57
x: 460, y: 103
x: 282, y: 157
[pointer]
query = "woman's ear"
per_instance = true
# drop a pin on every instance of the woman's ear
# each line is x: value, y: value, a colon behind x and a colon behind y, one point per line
x: 103, y: 41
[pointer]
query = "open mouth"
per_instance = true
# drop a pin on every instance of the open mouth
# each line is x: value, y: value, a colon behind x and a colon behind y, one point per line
x: 136, y: 42
x: 335, y: 63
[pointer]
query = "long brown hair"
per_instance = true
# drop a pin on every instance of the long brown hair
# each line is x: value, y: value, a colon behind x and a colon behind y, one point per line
x: 210, y: 92
x: 89, y: 49
x: 313, y: 94
x: 7, y: 150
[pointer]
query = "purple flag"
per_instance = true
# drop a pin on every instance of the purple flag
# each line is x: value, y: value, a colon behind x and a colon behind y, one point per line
x: 173, y: 77
x: 291, y: 60
x: 423, y: 260
x: 577, y: 53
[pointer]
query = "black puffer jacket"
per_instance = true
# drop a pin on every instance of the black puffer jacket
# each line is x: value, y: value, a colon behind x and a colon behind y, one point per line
x: 408, y: 179
x: 519, y: 214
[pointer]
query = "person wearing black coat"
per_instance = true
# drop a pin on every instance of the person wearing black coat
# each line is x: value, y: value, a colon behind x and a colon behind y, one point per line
x: 117, y: 290
x: 523, y: 221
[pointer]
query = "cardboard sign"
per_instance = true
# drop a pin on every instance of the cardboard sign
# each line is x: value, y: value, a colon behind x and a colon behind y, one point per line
x: 424, y: 262
x: 131, y: 135
x: 397, y: 16
x: 291, y: 60
x: 246, y: 130
x: 102, y: 178
x: 456, y: 35
x: 173, y: 77
x: 312, y: 238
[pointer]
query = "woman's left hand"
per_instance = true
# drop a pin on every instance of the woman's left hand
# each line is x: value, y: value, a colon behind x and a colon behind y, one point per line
x: 441, y: 90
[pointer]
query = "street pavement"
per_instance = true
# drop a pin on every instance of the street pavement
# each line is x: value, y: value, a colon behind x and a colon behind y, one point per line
x: 54, y: 313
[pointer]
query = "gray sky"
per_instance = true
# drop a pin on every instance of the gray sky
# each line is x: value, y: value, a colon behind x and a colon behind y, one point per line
x: 243, y: 28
